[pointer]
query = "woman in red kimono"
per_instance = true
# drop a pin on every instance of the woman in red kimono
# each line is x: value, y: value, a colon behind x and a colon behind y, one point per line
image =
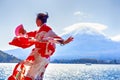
x: 44, y: 40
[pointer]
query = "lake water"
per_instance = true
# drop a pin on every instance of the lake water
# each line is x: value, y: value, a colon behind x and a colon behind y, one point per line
x: 71, y: 72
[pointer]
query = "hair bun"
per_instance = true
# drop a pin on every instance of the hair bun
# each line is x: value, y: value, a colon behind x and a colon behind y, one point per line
x: 43, y: 17
x: 46, y: 15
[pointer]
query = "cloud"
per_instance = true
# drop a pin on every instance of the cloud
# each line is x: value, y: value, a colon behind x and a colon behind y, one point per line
x: 81, y: 14
x: 116, y: 38
x: 78, y: 13
x: 85, y: 26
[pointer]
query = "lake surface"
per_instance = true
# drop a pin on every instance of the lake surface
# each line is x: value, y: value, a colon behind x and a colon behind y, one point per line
x: 71, y: 71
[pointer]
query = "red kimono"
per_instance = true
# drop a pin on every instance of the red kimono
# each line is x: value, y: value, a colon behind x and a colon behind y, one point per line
x: 35, y: 64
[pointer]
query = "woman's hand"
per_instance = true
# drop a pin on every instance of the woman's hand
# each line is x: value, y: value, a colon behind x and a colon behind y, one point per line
x: 68, y: 40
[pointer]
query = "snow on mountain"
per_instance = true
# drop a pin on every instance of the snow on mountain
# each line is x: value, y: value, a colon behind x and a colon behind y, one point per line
x: 90, y: 41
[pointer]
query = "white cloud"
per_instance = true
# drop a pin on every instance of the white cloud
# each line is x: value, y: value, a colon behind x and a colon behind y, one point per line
x: 116, y: 38
x: 81, y: 14
x: 82, y: 26
x: 78, y: 13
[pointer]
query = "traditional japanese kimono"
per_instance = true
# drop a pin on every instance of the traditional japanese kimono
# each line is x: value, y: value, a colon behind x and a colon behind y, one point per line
x: 35, y: 64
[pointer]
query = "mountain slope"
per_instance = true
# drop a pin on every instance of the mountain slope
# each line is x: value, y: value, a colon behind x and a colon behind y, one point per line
x: 4, y: 57
x: 89, y: 46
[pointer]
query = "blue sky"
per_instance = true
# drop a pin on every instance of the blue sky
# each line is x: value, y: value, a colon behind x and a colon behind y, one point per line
x: 63, y: 13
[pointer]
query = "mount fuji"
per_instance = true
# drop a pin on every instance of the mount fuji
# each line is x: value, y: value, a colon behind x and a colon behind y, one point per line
x: 89, y: 41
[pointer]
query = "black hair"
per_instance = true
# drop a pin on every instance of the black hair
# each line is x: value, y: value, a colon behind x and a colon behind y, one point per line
x: 43, y: 17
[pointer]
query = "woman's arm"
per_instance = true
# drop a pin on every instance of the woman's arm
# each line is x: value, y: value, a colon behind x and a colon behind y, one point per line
x: 68, y: 40
x: 52, y: 36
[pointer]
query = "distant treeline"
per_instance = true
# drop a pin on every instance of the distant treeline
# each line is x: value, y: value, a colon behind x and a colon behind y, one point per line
x: 86, y: 60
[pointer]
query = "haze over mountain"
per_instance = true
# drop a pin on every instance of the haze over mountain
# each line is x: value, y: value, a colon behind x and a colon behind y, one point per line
x: 90, y: 41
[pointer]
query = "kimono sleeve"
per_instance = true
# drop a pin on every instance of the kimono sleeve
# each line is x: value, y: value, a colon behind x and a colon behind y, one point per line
x: 31, y: 34
x: 52, y: 34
